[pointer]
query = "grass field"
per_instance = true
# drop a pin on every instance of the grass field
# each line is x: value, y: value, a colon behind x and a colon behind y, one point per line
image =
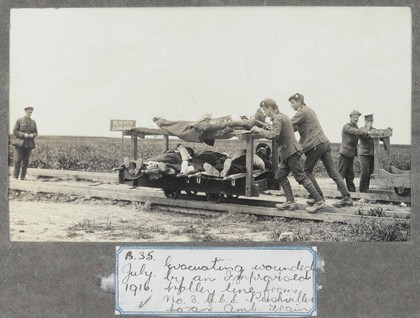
x: 101, y: 154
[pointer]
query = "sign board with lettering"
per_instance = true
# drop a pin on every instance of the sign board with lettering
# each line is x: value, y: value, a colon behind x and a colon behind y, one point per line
x: 210, y: 281
x: 121, y: 124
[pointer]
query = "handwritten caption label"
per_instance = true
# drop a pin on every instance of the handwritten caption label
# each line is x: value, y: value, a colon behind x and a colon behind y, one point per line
x: 278, y: 281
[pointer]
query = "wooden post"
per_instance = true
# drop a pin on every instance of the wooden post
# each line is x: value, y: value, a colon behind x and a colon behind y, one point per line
x: 376, y: 153
x: 249, y: 179
x: 122, y: 144
x: 387, y: 147
x: 165, y: 143
x: 133, y: 147
x: 275, y: 157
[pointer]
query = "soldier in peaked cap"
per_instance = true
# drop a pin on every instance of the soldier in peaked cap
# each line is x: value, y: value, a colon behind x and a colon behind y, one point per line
x: 348, y: 149
x: 290, y: 152
x: 297, y: 97
x: 316, y: 146
x: 25, y: 132
x: 366, y: 154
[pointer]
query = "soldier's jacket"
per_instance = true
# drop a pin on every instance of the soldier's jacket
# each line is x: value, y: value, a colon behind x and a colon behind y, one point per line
x: 24, y: 126
x: 367, y: 144
x: 282, y: 132
x: 350, y: 137
x: 307, y: 124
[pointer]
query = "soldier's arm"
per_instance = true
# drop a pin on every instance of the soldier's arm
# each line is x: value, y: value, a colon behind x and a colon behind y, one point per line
x: 273, y: 133
x: 355, y: 131
x: 366, y: 135
x: 297, y: 119
x: 35, y: 133
x: 16, y: 130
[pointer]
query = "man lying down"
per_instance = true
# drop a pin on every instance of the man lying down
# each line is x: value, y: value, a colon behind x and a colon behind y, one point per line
x: 184, y: 161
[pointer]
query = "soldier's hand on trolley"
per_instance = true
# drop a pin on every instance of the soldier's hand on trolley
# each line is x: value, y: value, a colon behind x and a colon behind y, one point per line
x: 256, y: 129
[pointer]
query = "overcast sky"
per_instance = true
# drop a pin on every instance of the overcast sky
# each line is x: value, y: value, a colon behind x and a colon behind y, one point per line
x: 80, y: 68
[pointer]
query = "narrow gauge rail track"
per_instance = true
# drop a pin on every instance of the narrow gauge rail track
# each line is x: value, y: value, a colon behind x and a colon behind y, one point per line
x: 330, y: 191
x: 263, y: 205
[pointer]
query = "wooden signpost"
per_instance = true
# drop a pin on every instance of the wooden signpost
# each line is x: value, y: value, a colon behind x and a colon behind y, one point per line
x: 122, y: 125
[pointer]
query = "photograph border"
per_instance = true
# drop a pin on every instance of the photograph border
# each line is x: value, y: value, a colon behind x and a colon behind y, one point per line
x: 366, y: 279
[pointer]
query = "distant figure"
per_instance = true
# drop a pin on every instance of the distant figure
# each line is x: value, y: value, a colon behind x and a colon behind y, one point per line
x: 348, y: 149
x: 289, y: 153
x: 366, y: 155
x: 25, y: 131
x: 316, y: 146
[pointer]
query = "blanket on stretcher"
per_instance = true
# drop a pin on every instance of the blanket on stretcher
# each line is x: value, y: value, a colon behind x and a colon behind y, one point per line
x: 194, y: 131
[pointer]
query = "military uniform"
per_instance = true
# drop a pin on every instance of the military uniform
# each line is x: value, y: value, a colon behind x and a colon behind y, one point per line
x: 290, y: 152
x: 366, y: 157
x: 348, y: 151
x: 316, y: 145
x: 24, y: 125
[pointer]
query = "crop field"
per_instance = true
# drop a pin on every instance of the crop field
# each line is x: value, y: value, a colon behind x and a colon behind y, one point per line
x: 101, y: 154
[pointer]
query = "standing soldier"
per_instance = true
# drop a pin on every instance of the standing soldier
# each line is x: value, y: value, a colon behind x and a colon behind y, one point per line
x: 290, y: 152
x: 25, y: 131
x: 316, y: 146
x: 348, y: 149
x: 366, y: 155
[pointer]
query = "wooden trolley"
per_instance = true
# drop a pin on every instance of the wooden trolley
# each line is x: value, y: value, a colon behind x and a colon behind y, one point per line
x: 388, y: 176
x: 250, y: 183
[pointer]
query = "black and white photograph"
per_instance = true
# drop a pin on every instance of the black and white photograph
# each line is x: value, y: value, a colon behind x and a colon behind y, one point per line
x: 216, y: 124
x: 209, y: 158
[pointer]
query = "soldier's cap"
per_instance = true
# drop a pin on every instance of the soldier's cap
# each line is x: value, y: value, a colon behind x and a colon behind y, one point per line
x: 268, y: 102
x: 355, y: 112
x: 28, y: 108
x: 369, y: 117
x: 298, y: 97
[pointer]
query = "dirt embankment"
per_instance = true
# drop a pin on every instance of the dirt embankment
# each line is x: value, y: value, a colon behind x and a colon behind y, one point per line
x: 52, y: 217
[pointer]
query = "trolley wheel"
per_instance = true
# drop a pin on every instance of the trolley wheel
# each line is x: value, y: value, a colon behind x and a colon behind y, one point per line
x: 188, y: 192
x: 172, y: 194
x: 232, y: 196
x: 402, y: 191
x: 214, y: 197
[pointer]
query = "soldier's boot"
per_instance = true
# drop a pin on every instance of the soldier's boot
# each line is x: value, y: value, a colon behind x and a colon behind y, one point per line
x: 139, y: 166
x: 184, y: 153
x: 319, y: 201
x: 345, y: 201
x: 211, y: 170
x: 310, y: 201
x: 127, y: 162
x: 318, y: 206
x: 23, y: 173
x: 226, y: 167
x: 16, y: 171
x: 290, y: 203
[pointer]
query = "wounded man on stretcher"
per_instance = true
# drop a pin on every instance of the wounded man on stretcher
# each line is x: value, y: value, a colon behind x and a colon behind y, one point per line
x: 183, y: 161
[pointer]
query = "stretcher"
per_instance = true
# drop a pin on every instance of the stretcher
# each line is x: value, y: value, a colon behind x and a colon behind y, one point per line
x: 249, y: 184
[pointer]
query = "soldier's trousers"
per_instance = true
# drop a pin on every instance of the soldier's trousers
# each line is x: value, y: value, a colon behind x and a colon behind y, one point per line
x: 346, y: 171
x: 367, y: 165
x: 294, y: 165
x: 21, y: 159
x: 323, y: 152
